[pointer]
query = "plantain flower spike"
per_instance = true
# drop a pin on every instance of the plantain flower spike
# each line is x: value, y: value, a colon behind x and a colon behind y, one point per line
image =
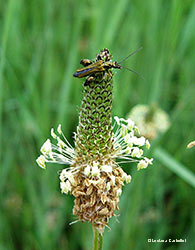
x: 91, y: 172
x: 151, y: 120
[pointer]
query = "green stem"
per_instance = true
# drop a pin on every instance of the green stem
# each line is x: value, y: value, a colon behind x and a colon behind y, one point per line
x: 97, y: 239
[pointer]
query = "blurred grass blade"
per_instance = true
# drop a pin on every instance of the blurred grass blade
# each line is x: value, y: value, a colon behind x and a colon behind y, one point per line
x: 113, y: 24
x: 3, y: 44
x: 175, y: 166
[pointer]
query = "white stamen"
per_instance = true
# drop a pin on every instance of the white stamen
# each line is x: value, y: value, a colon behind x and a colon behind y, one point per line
x: 41, y: 161
x: 117, y: 120
x: 119, y: 192
x: 147, y: 144
x: 59, y: 129
x: 53, y: 134
x: 131, y: 124
x: 112, y: 181
x: 149, y: 161
x: 128, y: 179
x: 142, y: 164
x: 137, y: 152
x: 87, y: 170
x: 106, y: 168
x: 124, y: 130
x: 95, y: 171
x: 61, y: 144
x: 108, y: 186
x: 46, y: 149
x: 65, y: 187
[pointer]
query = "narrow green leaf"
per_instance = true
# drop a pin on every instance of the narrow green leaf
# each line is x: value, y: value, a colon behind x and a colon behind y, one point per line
x: 175, y: 166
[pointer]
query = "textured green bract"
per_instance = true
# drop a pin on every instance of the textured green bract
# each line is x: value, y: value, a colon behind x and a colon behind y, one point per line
x: 94, y: 138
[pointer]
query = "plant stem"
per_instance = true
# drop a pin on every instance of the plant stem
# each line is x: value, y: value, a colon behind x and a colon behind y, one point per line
x: 97, y: 239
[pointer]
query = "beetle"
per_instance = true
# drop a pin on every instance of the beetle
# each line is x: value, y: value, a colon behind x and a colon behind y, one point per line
x: 96, y: 67
x: 91, y: 68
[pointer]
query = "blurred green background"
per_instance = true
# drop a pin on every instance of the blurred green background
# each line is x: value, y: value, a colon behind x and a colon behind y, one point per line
x: 41, y: 44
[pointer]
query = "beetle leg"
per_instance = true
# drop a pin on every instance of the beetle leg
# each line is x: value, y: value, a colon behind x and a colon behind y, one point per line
x: 110, y: 75
x: 89, y: 80
x: 85, y: 62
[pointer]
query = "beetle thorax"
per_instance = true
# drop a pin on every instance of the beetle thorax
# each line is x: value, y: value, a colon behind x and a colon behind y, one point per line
x: 111, y: 64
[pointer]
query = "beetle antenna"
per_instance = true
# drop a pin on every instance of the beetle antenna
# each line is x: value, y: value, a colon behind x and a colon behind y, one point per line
x: 131, y: 55
x: 133, y: 72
